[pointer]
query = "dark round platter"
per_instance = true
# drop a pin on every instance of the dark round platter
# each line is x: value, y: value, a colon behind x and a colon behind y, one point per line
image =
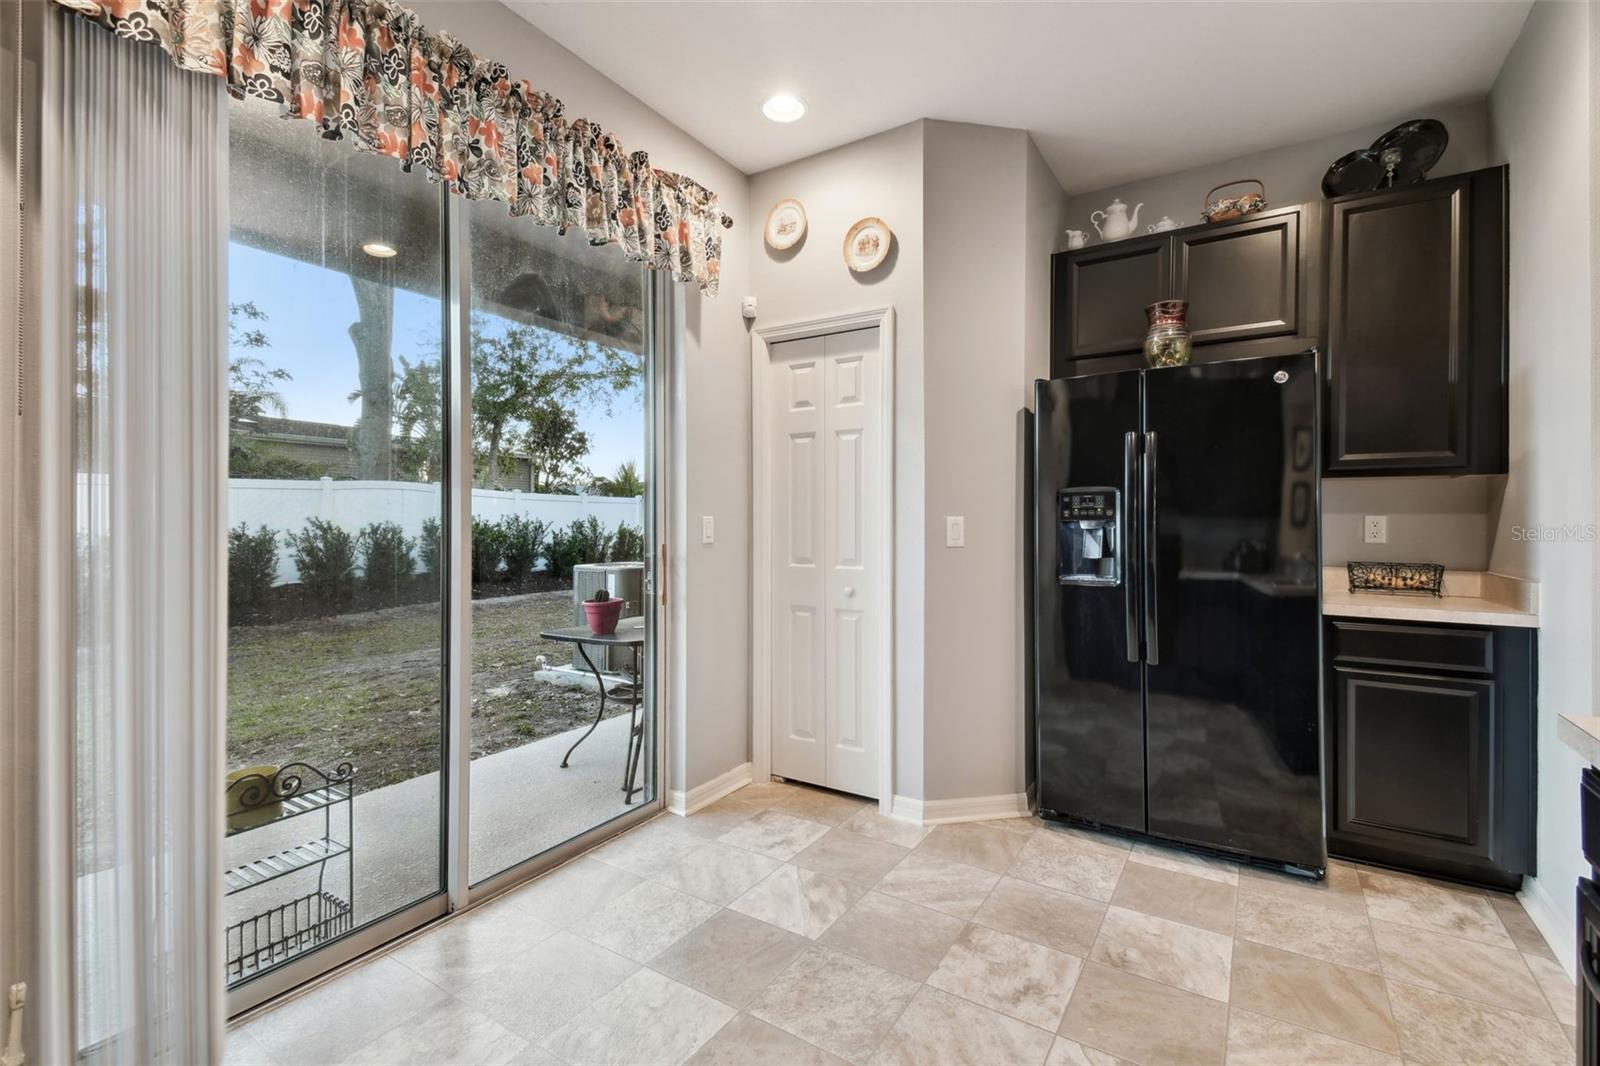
x: 1411, y: 148
x: 1419, y: 143
x: 1357, y: 171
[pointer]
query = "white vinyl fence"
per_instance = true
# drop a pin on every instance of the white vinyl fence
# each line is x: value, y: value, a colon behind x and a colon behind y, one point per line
x: 286, y: 507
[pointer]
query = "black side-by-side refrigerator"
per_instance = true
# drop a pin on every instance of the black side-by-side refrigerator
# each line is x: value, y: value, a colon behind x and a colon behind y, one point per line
x: 1176, y: 622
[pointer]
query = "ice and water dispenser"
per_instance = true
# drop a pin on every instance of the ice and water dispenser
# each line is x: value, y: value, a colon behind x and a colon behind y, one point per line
x: 1089, y: 550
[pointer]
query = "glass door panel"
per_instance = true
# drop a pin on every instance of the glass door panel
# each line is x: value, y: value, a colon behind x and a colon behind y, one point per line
x: 335, y: 631
x: 561, y: 731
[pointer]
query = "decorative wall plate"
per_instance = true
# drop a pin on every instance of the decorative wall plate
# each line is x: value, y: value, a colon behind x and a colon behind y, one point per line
x: 786, y: 224
x: 867, y: 244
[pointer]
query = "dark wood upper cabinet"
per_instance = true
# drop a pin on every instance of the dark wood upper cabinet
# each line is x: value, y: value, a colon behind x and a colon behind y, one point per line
x: 1242, y: 280
x: 1249, y: 283
x: 1404, y: 291
x: 1109, y: 286
x: 1416, y: 352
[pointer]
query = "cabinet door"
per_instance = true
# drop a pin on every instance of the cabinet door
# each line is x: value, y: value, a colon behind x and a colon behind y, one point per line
x: 1101, y: 295
x: 1242, y: 279
x: 1416, y: 763
x: 1399, y: 341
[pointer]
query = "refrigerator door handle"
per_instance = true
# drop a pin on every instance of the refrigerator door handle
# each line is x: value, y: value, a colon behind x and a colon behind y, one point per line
x: 1152, y: 640
x: 1130, y: 608
x: 1588, y: 972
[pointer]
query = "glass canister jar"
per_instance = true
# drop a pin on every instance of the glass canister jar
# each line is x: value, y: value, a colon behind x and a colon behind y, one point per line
x: 1167, y: 343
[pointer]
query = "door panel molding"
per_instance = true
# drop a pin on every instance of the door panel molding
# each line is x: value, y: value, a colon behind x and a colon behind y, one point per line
x: 878, y: 639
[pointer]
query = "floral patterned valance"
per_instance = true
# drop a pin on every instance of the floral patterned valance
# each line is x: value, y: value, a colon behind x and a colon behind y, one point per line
x: 370, y: 69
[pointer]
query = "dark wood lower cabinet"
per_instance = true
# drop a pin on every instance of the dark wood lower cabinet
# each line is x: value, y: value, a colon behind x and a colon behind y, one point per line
x: 1431, y: 749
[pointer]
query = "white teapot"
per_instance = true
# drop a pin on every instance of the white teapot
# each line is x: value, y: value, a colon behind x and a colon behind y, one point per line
x: 1164, y: 225
x: 1117, y: 223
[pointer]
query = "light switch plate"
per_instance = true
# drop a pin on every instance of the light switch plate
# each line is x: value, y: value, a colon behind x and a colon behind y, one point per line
x: 1375, y: 529
x: 708, y: 529
x: 955, y: 531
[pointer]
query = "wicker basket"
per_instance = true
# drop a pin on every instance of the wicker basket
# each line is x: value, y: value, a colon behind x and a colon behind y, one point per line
x: 1228, y: 208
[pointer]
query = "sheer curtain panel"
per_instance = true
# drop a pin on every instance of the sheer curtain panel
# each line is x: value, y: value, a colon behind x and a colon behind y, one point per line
x: 133, y: 382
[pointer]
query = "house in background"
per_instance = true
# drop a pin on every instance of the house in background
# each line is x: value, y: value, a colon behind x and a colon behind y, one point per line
x: 324, y: 449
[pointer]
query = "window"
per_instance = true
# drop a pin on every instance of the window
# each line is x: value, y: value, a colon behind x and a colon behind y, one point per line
x: 336, y: 443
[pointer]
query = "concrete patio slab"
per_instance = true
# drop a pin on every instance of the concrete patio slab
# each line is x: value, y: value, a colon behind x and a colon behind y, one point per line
x: 522, y: 803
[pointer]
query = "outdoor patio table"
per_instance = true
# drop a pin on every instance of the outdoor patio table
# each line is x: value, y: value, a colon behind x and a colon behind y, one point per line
x: 630, y: 635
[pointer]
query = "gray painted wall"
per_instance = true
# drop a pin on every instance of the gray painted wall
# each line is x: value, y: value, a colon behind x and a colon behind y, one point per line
x: 1431, y: 520
x: 710, y: 735
x: 969, y: 280
x: 882, y: 176
x: 1292, y: 174
x: 977, y: 346
x: 1541, y: 123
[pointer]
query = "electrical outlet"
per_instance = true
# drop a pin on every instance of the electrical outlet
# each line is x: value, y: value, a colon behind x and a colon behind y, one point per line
x: 1375, y: 529
x: 955, y: 531
x: 708, y: 529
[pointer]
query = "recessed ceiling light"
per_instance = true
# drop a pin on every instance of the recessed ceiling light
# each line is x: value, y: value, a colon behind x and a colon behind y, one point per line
x: 783, y: 107
x: 379, y: 250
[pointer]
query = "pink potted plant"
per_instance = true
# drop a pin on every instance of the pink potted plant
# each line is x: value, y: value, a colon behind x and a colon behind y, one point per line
x: 602, y: 613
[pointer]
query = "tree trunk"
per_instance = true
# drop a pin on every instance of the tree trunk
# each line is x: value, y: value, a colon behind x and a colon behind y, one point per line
x: 491, y: 476
x: 372, y: 334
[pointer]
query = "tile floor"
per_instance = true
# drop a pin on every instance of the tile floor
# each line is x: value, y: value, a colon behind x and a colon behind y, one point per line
x: 790, y: 925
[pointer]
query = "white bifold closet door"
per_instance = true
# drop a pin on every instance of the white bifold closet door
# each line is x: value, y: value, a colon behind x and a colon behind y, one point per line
x: 827, y: 501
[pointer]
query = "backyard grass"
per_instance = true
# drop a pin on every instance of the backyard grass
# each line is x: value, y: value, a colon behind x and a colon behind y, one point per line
x: 366, y: 687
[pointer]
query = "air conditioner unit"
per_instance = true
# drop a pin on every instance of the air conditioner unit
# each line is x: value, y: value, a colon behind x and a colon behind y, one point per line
x: 624, y: 581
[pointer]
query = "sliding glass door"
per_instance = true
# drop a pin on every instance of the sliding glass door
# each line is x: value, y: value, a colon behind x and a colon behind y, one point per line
x: 558, y: 337
x: 346, y: 553
x: 335, y: 633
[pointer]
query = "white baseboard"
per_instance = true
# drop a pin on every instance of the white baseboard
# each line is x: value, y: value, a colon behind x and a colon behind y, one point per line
x: 1554, y: 920
x: 679, y: 802
x: 970, y: 809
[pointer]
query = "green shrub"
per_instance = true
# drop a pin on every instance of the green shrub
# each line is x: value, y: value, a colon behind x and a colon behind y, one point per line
x: 388, y: 558
x: 256, y: 459
x: 584, y: 541
x: 627, y: 544
x: 252, y: 568
x: 325, y: 555
x: 522, y: 544
x: 428, y: 547
x: 488, y: 550
x: 560, y: 555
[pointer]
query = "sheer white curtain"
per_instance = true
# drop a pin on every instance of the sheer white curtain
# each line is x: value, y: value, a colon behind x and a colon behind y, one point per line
x: 134, y: 376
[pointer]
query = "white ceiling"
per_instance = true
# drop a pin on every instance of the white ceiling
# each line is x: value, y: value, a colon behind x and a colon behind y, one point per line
x: 1110, y: 91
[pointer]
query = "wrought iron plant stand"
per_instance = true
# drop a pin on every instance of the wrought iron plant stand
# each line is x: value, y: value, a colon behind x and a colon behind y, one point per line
x: 285, y: 929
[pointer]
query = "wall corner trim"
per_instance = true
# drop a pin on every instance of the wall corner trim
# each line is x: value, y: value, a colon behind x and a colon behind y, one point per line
x: 685, y: 803
x: 1553, y: 918
x: 970, y: 809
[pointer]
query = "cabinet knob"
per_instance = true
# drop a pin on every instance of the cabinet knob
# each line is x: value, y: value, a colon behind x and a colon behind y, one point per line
x: 849, y: 591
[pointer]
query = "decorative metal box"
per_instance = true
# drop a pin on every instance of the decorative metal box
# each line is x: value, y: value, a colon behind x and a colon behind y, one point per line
x: 1397, y: 577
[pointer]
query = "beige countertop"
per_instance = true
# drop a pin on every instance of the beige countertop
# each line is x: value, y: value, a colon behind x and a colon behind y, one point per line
x: 1581, y: 733
x: 1471, y: 597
